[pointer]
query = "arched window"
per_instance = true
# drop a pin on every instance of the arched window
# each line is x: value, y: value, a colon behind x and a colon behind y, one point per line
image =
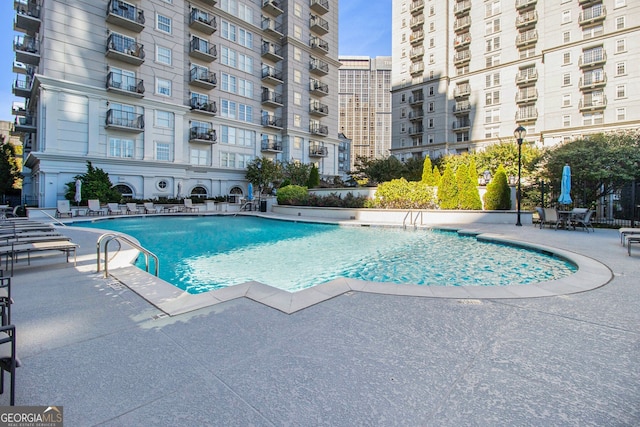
x: 199, y: 191
x: 235, y: 194
x: 125, y: 190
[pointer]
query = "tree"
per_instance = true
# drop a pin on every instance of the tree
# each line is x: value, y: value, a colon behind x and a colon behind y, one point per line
x: 498, y: 195
x: 468, y: 196
x: 95, y: 185
x: 314, y: 177
x: 448, y: 190
x: 436, y: 176
x: 296, y: 173
x: 261, y: 172
x: 427, y: 172
x: 375, y: 171
x: 9, y: 171
x: 412, y: 169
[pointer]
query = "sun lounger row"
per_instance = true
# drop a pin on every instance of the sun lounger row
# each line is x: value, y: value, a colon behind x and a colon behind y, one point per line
x: 64, y: 208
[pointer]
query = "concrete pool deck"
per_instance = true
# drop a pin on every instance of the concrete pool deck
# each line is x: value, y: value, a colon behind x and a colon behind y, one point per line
x: 109, y: 357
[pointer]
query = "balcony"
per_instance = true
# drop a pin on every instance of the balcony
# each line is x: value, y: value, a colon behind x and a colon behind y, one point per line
x: 203, y: 106
x: 528, y: 114
x: 592, y: 59
x: 318, y: 67
x: 461, y: 108
x: 210, y: 3
x: 270, y: 26
x: 319, y: 45
x: 526, y: 38
x: 202, y: 77
x: 526, y: 96
x: 416, y: 130
x: 271, y: 51
x: 318, y: 129
x: 462, y: 23
x: 26, y: 124
x: 416, y: 52
x: 318, y: 151
x: 272, y: 7
x: 416, y: 7
x: 27, y: 49
x: 318, y: 25
x: 18, y: 109
x: 271, y: 75
x: 462, y: 57
x: 526, y: 76
x: 271, y: 99
x: 416, y: 68
x: 416, y: 22
x: 124, y: 120
x: 20, y: 68
x: 125, y: 15
x: 318, y: 88
x: 125, y: 49
x: 319, y: 6
x: 416, y: 115
x: 202, y: 49
x: 22, y: 86
x: 462, y: 91
x: 592, y: 81
x: 126, y: 85
x: 271, y: 121
x: 202, y: 21
x: 27, y: 17
x: 202, y: 135
x: 270, y: 144
x: 594, y: 14
x: 462, y: 7
x: 589, y: 103
x: 461, y: 125
x: 416, y: 99
x: 525, y: 4
x: 587, y: 2
x: 527, y: 19
x: 462, y: 40
x: 319, y: 109
x: 416, y: 37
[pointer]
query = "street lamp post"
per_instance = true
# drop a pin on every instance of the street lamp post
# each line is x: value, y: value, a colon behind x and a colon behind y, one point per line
x: 519, y: 133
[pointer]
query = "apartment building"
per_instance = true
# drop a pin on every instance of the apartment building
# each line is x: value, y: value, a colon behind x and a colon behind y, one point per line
x: 365, y: 105
x: 466, y: 73
x: 172, y: 97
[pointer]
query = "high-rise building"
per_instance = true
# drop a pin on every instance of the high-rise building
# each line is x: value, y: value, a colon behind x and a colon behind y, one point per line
x: 365, y: 105
x: 166, y: 95
x: 466, y: 73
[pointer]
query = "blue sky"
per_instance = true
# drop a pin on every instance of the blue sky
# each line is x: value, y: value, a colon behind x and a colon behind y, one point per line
x: 364, y: 30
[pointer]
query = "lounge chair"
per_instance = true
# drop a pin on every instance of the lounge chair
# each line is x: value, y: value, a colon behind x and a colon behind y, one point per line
x: 540, y: 219
x: 149, y: 208
x: 582, y: 219
x: 188, y: 206
x: 94, y: 208
x: 626, y: 232
x: 550, y: 216
x: 132, y: 208
x: 114, y: 209
x: 64, y: 209
x: 8, y: 359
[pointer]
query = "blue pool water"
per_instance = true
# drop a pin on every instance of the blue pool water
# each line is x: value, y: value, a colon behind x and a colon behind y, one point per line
x: 199, y: 254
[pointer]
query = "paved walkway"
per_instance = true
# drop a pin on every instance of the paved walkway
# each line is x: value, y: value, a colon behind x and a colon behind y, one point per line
x: 358, y: 359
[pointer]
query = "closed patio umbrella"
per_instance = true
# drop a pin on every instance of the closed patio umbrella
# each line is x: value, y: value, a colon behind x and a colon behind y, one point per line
x: 565, y: 188
x: 250, y: 192
x: 78, y: 196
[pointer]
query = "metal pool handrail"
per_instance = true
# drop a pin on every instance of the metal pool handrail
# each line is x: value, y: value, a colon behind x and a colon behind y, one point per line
x: 108, y: 237
x: 412, y: 221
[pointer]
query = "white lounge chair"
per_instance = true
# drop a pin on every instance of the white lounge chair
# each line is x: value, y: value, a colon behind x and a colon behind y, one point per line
x: 94, y: 207
x: 149, y: 208
x: 114, y: 209
x: 188, y: 206
x: 64, y: 209
x: 132, y: 208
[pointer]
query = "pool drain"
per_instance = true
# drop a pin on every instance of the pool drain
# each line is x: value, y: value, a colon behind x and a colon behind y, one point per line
x: 469, y: 301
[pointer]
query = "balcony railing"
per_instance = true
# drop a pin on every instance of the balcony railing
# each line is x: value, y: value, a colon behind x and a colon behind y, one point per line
x: 272, y: 121
x: 416, y: 68
x: 528, y: 18
x: 28, y: 17
x: 202, y: 21
x: 318, y: 25
x: 416, y: 6
x: 416, y: 21
x: 125, y: 120
x: 319, y: 45
x: 592, y: 59
x: 125, y: 49
x: 525, y: 96
x: 271, y: 75
x: 416, y: 130
x: 318, y: 129
x: 462, y: 107
x: 202, y: 49
x: 203, y: 78
x: 25, y: 124
x: 271, y: 145
x: 462, y: 90
x: 592, y: 81
x: 27, y: 49
x: 462, y: 23
x: 416, y: 99
x: 526, y: 115
x: 593, y: 14
x: 270, y: 25
x: 318, y: 151
x: 22, y: 86
x: 416, y: 115
x: 528, y: 37
x: 127, y: 85
x: 318, y: 88
x: 201, y: 106
x: 462, y: 57
x: 416, y: 37
x: 462, y: 7
x: 271, y: 51
x: 462, y: 40
x: 271, y: 98
x: 592, y: 103
x: 125, y: 15
x: 318, y: 67
x: 273, y: 7
x: 319, y: 6
x: 526, y: 76
x: 524, y: 4
x: 461, y: 125
x: 318, y: 109
x: 416, y: 52
x: 203, y: 134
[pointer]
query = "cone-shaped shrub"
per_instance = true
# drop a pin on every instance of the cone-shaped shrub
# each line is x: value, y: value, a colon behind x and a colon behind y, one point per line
x: 448, y: 190
x: 468, y: 196
x: 427, y: 173
x: 498, y: 195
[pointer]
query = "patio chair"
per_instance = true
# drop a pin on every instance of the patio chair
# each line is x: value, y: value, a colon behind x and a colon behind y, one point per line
x: 132, y: 208
x: 188, y: 206
x: 8, y: 359
x: 583, y: 219
x: 540, y: 219
x: 149, y: 208
x: 550, y: 216
x: 114, y: 209
x: 94, y: 207
x: 64, y: 209
x: 5, y: 300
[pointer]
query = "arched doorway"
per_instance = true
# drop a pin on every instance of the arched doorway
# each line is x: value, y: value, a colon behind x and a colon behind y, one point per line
x: 125, y: 190
x: 235, y: 194
x: 199, y: 192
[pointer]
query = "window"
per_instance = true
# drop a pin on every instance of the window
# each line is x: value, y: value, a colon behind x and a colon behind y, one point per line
x: 228, y: 31
x: 297, y: 53
x: 297, y: 142
x: 621, y: 68
x: 619, y: 3
x: 492, y: 61
x: 162, y: 185
x: 620, y: 23
x: 431, y: 106
x: 432, y: 42
x: 431, y: 91
x: 163, y: 87
x: 492, y: 80
x: 566, y: 37
x: 566, y: 16
x: 245, y: 13
x: 566, y: 100
x: 163, y: 55
x: 621, y: 114
x: 245, y: 88
x: 591, y: 32
x: 621, y: 91
x: 492, y: 116
x: 297, y: 120
x: 120, y: 147
x: 297, y: 98
x: 566, y: 79
x: 164, y: 119
x: 163, y: 23
x: 228, y: 57
x: 245, y: 38
x: 492, y: 8
x: 566, y: 121
x: 297, y: 76
x: 228, y: 83
x: 163, y: 152
x: 245, y: 113
x: 492, y: 26
x: 566, y: 58
x: 403, y: 113
x: 227, y: 160
x: 621, y: 45
x: 492, y: 98
x: 432, y: 26
x: 493, y: 44
x: 228, y: 109
x: 297, y: 32
x: 430, y: 123
x: 297, y: 10
x: 123, y: 79
x: 527, y: 53
x: 403, y: 97
x: 592, y: 119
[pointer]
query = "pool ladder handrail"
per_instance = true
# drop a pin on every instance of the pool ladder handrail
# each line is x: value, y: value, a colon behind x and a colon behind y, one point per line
x: 412, y: 221
x: 108, y: 237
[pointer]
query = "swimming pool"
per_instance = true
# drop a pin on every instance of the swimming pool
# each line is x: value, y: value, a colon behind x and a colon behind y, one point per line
x: 198, y: 254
